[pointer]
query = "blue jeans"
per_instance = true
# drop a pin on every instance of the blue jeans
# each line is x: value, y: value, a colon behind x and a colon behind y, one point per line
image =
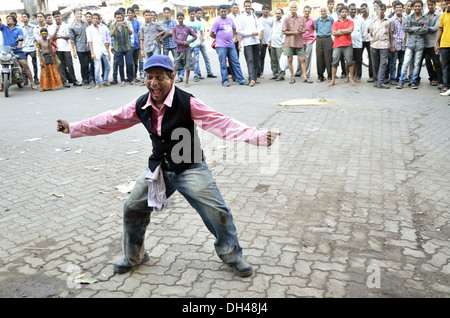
x: 411, y: 54
x: 197, y: 185
x: 394, y: 70
x: 233, y: 60
x: 196, y: 51
x: 130, y: 64
x: 206, y: 58
x: 166, y: 51
x: 98, y: 68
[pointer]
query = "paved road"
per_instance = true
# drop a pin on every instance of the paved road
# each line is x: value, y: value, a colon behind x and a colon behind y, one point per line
x: 351, y: 201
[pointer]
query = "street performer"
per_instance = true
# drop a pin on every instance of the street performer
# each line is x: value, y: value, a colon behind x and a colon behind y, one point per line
x: 169, y: 113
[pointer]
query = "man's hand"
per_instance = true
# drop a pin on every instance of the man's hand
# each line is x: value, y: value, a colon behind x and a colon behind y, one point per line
x: 271, y: 136
x: 63, y: 126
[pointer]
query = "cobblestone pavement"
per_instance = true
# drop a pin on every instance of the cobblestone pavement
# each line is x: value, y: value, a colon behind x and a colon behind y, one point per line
x: 351, y: 201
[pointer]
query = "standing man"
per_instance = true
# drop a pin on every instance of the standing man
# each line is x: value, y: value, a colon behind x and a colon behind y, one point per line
x: 275, y: 44
x: 416, y: 28
x: 293, y: 28
x: 380, y: 30
x: 198, y: 16
x: 250, y: 32
x: 267, y: 22
x: 223, y: 31
x: 356, y: 39
x: 324, y: 45
x: 342, y: 31
x: 366, y: 39
x: 399, y: 40
x: 150, y: 31
x: 61, y: 33
x: 80, y: 47
x: 13, y: 37
x: 29, y: 47
x: 442, y: 46
x: 234, y: 14
x: 41, y: 24
x: 432, y: 60
x: 308, y: 41
x: 135, y: 43
x: 168, y: 23
x: 121, y: 30
x: 183, y: 60
x: 197, y: 27
x: 163, y: 110
x: 98, y: 39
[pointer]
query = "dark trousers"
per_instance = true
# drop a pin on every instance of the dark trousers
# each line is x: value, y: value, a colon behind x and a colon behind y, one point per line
x: 66, y: 66
x: 136, y: 55
x: 34, y: 61
x: 445, y: 56
x: 380, y: 60
x: 324, y: 56
x: 366, y: 45
x: 433, y: 64
x: 84, y: 58
x: 251, y: 53
x: 262, y: 57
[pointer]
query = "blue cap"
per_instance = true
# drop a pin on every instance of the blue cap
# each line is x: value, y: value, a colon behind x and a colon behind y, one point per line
x: 159, y: 61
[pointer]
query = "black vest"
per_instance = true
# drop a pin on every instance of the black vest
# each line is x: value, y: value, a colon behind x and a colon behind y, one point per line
x: 179, y: 145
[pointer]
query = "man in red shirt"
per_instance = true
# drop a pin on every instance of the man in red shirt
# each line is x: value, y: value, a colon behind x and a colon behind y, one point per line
x: 342, y: 30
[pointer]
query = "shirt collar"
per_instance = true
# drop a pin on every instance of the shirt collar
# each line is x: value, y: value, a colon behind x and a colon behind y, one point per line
x: 167, y: 102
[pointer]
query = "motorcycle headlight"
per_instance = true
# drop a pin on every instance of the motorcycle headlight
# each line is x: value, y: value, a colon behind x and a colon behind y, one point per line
x: 5, y: 57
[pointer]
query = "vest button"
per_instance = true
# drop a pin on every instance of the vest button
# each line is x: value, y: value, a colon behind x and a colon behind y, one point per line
x: 165, y: 154
x: 163, y: 141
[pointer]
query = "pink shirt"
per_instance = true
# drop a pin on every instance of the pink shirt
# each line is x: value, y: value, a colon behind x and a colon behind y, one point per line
x: 205, y: 117
x: 309, y: 36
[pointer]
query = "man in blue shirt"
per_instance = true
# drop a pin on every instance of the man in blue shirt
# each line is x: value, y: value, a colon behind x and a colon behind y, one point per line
x: 168, y: 43
x: 324, y: 44
x: 13, y: 37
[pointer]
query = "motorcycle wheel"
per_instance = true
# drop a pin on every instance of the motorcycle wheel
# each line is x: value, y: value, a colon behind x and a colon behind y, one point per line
x: 6, y: 84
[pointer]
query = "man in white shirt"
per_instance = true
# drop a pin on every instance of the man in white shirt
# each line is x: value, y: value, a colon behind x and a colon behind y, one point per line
x: 267, y: 22
x: 60, y: 31
x: 250, y: 31
x: 275, y: 45
x: 357, y: 41
x: 98, y: 39
x: 28, y: 46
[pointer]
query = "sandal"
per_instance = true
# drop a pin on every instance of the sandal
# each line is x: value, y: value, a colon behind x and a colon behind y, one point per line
x: 251, y: 84
x: 307, y: 80
x: 399, y: 85
x: 292, y: 81
x: 180, y: 80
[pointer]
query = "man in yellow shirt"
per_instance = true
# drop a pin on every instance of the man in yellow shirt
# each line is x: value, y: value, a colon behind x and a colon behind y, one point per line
x: 443, y: 36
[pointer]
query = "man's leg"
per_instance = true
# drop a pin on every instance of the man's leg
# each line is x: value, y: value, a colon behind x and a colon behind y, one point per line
x: 136, y: 217
x: 200, y: 190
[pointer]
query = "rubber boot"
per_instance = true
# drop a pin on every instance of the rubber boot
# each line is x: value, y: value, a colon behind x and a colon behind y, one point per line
x: 134, y: 227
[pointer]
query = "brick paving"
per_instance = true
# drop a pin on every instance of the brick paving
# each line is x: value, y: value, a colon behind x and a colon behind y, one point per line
x: 351, y: 201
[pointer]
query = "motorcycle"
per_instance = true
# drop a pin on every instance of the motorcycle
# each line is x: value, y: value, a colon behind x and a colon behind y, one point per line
x: 11, y: 71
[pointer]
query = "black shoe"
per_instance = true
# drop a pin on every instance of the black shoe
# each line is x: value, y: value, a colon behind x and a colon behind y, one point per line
x: 273, y: 78
x: 241, y: 268
x: 122, y: 266
x: 77, y: 84
x: 200, y: 77
x: 383, y: 86
x: 212, y: 75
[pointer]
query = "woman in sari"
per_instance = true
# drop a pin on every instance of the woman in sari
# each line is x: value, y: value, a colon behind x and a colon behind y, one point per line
x: 50, y: 78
